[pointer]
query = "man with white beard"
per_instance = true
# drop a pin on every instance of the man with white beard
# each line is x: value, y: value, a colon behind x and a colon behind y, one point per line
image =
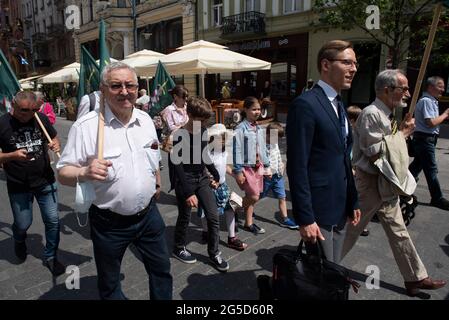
x: 374, y: 123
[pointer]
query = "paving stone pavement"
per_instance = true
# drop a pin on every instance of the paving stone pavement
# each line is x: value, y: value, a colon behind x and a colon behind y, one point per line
x: 31, y: 280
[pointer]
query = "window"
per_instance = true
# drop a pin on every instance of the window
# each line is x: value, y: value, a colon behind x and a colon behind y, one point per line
x: 121, y: 3
x: 292, y: 6
x: 252, y: 5
x: 218, y: 12
x: 91, y: 10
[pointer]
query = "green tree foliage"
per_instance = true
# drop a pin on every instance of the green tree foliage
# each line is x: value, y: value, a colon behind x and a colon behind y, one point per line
x: 396, y: 17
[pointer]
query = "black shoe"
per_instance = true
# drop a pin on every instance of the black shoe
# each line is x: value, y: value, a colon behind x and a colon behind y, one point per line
x: 364, y: 233
x: 55, y: 267
x: 442, y: 204
x: 220, y: 264
x: 20, y: 249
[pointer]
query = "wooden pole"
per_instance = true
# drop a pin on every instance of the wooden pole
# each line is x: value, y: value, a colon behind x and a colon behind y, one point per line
x: 45, y: 131
x: 100, y: 138
x: 425, y: 60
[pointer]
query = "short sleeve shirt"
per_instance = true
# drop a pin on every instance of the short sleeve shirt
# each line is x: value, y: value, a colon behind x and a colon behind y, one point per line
x: 23, y: 176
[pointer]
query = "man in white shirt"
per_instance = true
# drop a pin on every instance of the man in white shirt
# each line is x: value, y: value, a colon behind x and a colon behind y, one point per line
x: 126, y: 184
x: 143, y: 100
x: 88, y: 103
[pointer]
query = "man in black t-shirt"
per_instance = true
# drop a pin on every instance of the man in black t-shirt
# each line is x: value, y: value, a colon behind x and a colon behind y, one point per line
x: 29, y: 175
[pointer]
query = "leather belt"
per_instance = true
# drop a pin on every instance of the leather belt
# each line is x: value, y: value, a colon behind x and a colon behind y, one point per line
x: 108, y: 214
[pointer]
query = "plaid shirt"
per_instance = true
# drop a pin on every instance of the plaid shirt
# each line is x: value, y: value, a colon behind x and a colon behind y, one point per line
x: 276, y: 164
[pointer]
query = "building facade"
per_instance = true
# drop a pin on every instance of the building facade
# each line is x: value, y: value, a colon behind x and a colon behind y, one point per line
x: 281, y: 32
x: 161, y: 26
x: 49, y: 43
x: 12, y: 36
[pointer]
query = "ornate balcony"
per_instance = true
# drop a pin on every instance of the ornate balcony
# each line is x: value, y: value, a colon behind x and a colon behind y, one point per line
x: 243, y: 24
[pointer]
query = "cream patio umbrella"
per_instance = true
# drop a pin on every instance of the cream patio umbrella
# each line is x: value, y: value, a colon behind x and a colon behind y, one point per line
x: 203, y: 57
x: 143, y: 58
x: 69, y: 73
x: 27, y: 83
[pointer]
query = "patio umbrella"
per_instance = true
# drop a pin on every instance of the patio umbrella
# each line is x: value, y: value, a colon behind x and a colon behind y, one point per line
x: 143, y: 58
x: 28, y: 83
x: 69, y: 73
x: 203, y: 57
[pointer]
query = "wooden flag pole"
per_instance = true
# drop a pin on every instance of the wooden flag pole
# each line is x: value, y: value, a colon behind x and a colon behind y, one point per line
x: 429, y: 44
x: 45, y: 131
x: 100, y: 138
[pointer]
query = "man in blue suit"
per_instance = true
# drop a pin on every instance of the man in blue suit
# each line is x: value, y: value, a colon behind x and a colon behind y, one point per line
x: 319, y: 142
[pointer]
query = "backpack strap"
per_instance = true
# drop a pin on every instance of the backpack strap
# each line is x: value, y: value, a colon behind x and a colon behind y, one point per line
x: 92, y: 101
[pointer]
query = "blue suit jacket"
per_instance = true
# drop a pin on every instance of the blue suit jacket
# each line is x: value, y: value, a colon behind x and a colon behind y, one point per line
x: 318, y: 164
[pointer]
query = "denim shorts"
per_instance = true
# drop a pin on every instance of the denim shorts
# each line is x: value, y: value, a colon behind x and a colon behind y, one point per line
x: 275, y: 184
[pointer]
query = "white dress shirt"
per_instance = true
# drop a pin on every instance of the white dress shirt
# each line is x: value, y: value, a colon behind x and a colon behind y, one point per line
x: 332, y: 96
x: 131, y: 180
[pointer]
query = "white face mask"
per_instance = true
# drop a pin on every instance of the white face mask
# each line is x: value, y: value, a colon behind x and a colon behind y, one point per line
x: 85, y: 195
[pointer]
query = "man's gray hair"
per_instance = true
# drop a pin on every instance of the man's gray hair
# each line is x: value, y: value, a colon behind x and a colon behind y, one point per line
x: 25, y: 95
x: 432, y: 81
x: 115, y: 66
x: 387, y: 79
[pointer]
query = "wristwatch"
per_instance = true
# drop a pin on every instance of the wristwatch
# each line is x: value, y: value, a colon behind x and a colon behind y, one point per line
x: 157, y: 186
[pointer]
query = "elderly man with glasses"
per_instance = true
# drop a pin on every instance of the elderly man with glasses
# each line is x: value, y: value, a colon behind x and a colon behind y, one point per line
x: 29, y: 175
x: 375, y: 123
x: 126, y: 184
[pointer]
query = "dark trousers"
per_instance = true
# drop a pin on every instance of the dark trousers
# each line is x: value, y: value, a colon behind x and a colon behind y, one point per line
x: 425, y: 161
x: 206, y: 199
x: 112, y: 234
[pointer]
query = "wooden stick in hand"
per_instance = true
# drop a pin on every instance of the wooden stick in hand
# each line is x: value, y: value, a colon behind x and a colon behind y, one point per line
x: 100, y: 138
x: 45, y: 131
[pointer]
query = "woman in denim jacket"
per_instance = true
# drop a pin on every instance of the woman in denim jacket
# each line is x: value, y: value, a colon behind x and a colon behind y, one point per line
x: 250, y: 160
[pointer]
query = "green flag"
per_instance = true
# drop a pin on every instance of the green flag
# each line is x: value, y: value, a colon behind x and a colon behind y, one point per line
x: 160, y: 87
x: 9, y: 85
x: 89, y: 79
x: 104, y: 53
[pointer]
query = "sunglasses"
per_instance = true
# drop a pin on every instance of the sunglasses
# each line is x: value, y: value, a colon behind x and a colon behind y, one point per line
x: 26, y: 110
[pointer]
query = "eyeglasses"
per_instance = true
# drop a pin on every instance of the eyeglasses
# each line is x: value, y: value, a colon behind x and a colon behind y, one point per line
x: 403, y: 89
x: 347, y: 62
x: 130, y: 87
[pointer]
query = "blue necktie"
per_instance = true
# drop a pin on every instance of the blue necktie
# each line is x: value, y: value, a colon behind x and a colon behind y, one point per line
x: 342, y: 119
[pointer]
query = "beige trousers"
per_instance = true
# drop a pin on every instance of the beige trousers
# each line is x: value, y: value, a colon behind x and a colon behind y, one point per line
x: 390, y: 216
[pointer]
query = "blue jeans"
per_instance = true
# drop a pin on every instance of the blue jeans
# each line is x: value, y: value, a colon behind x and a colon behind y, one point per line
x: 425, y: 161
x: 22, y: 209
x: 111, y: 237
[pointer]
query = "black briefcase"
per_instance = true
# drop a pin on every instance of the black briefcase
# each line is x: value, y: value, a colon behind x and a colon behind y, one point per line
x: 299, y: 276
